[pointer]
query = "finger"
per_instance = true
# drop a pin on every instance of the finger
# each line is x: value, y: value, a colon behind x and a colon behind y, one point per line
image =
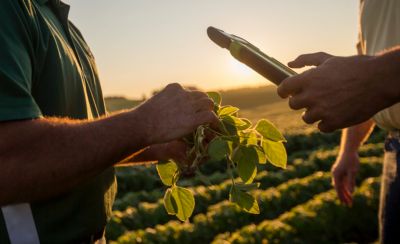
x: 310, y: 116
x: 197, y: 94
x: 204, y: 104
x: 173, y: 87
x: 206, y: 117
x: 339, y: 190
x: 347, y: 194
x: 314, y: 59
x: 352, y: 183
x: 326, y: 127
x: 298, y: 101
x: 291, y: 85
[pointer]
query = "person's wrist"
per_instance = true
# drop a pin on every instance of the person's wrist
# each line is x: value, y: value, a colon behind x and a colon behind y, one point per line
x: 142, y: 124
x: 348, y: 156
x: 385, y: 71
x: 349, y: 152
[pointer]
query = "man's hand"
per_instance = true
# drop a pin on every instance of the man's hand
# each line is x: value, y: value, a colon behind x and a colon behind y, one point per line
x: 176, y: 112
x: 340, y: 91
x: 344, y: 173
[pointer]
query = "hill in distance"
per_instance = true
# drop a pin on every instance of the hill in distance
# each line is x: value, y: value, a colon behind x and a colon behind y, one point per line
x: 254, y: 103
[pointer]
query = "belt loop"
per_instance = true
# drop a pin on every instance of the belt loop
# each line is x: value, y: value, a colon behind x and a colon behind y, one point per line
x: 392, y: 142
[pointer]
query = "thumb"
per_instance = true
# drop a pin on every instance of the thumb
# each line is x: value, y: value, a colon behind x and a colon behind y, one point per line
x: 207, y: 117
x: 312, y: 59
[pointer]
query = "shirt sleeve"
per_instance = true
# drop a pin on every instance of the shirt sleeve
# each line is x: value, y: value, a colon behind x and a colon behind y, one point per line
x: 16, y: 61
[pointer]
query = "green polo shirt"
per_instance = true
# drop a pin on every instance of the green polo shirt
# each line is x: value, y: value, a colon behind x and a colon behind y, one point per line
x: 47, y: 69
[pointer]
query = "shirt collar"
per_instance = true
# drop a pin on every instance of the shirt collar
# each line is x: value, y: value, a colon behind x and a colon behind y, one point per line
x: 55, y: 2
x: 61, y: 8
x: 41, y: 2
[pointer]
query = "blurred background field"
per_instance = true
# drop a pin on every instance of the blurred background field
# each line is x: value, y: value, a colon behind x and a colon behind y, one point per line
x: 254, y: 103
x: 298, y: 205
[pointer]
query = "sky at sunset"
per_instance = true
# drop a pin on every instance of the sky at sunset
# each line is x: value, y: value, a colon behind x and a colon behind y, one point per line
x: 143, y: 45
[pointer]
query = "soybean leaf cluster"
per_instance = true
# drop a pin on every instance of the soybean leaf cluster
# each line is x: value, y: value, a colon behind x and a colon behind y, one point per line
x: 237, y: 142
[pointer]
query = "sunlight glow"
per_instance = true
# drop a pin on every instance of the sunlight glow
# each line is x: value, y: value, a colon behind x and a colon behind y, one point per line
x: 239, y: 68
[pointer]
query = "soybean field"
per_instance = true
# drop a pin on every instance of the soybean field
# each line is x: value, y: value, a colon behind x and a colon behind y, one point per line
x: 297, y: 204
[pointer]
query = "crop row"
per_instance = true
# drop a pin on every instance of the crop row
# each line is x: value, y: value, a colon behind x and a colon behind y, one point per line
x: 321, y: 220
x: 318, y: 160
x: 315, y: 140
x: 201, y: 231
x: 145, y: 178
x: 222, y: 216
x: 150, y: 214
x: 274, y: 201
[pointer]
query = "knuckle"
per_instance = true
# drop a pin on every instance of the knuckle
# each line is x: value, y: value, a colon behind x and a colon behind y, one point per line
x: 174, y: 86
x: 307, y: 118
x: 210, y: 103
x: 199, y: 94
x: 281, y: 90
x: 293, y: 103
x: 325, y: 127
x: 302, y: 56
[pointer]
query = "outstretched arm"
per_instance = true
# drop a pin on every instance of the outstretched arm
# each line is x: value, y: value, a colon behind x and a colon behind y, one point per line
x: 345, y: 169
x: 44, y: 157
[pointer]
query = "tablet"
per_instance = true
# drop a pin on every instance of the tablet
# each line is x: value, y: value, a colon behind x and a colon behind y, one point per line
x: 250, y: 55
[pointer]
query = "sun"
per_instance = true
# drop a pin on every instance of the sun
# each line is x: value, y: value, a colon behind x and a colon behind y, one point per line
x: 239, y: 68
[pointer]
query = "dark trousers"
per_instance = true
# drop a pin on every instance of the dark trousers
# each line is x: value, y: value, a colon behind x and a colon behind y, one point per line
x: 389, y: 209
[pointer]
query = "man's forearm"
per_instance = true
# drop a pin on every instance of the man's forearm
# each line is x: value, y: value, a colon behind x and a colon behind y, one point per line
x: 45, y: 157
x: 354, y: 136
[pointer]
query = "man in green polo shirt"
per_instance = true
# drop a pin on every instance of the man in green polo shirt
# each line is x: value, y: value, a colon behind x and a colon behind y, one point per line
x: 57, y: 150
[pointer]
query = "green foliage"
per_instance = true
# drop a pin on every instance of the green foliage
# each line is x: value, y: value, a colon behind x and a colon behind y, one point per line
x: 321, y: 220
x: 243, y: 199
x: 247, y: 160
x: 167, y: 172
x: 183, y: 202
x: 140, y: 216
x: 219, y: 148
x: 149, y: 214
x: 274, y: 201
x: 235, y: 141
x: 275, y: 152
x: 269, y: 131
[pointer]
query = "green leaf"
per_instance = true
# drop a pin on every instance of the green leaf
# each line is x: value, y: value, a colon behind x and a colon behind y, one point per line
x: 215, y: 96
x: 246, y: 125
x: 169, y: 203
x: 227, y: 110
x: 167, y: 171
x: 229, y: 127
x: 238, y: 123
x: 275, y: 153
x: 247, y: 187
x: 184, y: 202
x: 244, y: 200
x: 252, y: 138
x: 246, y: 159
x: 262, y: 159
x: 269, y: 131
x: 249, y: 137
x: 218, y: 149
